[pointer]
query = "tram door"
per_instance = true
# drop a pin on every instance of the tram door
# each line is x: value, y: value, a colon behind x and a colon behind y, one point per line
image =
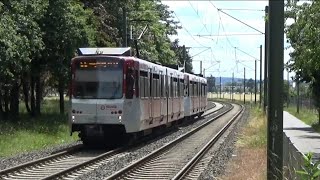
x: 162, y: 99
x: 167, y: 95
x: 150, y: 93
x: 170, y: 96
x: 179, y: 93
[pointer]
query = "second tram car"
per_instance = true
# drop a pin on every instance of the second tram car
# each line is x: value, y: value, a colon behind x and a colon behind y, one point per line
x: 113, y: 95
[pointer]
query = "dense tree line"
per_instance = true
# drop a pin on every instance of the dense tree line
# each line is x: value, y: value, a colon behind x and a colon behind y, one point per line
x: 38, y: 38
x: 303, y: 36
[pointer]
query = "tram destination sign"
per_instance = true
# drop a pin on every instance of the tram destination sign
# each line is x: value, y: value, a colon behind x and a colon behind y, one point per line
x: 100, y: 65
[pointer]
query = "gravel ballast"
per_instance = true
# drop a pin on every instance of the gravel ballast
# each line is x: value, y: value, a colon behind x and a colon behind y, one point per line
x: 222, y: 153
x: 118, y: 163
x: 214, y: 169
x: 7, y: 162
x: 30, y: 156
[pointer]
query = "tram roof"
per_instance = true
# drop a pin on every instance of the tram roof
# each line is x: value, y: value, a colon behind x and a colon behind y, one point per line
x: 125, y: 51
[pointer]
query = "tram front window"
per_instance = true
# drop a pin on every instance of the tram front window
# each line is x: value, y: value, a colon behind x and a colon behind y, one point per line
x: 98, y: 80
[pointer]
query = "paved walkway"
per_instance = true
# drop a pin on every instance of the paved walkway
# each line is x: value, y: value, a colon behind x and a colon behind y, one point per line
x: 303, y: 137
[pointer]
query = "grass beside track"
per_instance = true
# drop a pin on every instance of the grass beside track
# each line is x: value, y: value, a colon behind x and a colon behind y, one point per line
x: 250, y: 157
x: 26, y: 134
x: 307, y: 116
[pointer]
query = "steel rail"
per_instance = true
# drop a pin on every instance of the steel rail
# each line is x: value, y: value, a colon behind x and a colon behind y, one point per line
x: 121, y: 173
x: 21, y: 168
x: 205, y: 149
x: 81, y: 165
x: 92, y: 161
x: 41, y: 160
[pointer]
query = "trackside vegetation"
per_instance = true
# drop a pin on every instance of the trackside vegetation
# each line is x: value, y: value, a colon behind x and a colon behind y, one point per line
x: 302, y: 35
x: 27, y: 133
x: 307, y: 116
x: 38, y: 39
x: 250, y: 158
x: 254, y: 135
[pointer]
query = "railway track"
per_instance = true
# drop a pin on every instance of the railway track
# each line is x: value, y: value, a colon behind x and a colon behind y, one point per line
x: 68, y: 164
x: 176, y: 159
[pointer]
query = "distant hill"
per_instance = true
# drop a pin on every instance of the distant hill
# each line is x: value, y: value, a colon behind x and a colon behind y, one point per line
x: 225, y: 80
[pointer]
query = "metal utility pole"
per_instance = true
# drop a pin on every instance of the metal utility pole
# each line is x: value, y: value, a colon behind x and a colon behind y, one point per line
x: 265, y: 84
x: 260, y: 89
x: 232, y: 85
x: 275, y: 87
x: 220, y: 87
x: 255, y: 82
x: 201, y: 67
x: 244, y: 85
x: 298, y: 95
x: 184, y: 57
x: 125, y: 22
x: 288, y: 89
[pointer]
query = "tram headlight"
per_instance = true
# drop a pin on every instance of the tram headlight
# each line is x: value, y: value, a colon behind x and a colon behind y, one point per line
x: 119, y: 117
x: 72, y: 118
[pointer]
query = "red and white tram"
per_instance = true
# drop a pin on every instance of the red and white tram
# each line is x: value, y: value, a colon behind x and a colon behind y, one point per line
x: 115, y: 95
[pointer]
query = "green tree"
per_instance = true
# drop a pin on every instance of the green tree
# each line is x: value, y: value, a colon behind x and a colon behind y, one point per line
x: 286, y: 89
x: 154, y: 45
x: 178, y: 50
x: 211, y: 84
x: 67, y: 26
x: 303, y: 38
x: 250, y: 85
x: 20, y: 42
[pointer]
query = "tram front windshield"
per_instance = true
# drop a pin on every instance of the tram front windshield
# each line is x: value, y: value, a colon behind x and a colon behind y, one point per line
x: 98, y: 79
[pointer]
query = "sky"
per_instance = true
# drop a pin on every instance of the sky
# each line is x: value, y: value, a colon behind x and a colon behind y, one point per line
x: 222, y: 55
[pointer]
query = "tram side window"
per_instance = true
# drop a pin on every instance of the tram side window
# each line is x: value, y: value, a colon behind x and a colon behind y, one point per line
x: 178, y: 88
x: 202, y: 89
x: 137, y: 83
x: 161, y: 85
x: 156, y: 90
x: 181, y: 87
x: 130, y: 84
x: 149, y: 88
x: 154, y: 87
x: 175, y: 87
x: 171, y: 87
x: 190, y: 88
x: 185, y: 86
x: 143, y: 84
x: 205, y: 90
x: 196, y: 89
